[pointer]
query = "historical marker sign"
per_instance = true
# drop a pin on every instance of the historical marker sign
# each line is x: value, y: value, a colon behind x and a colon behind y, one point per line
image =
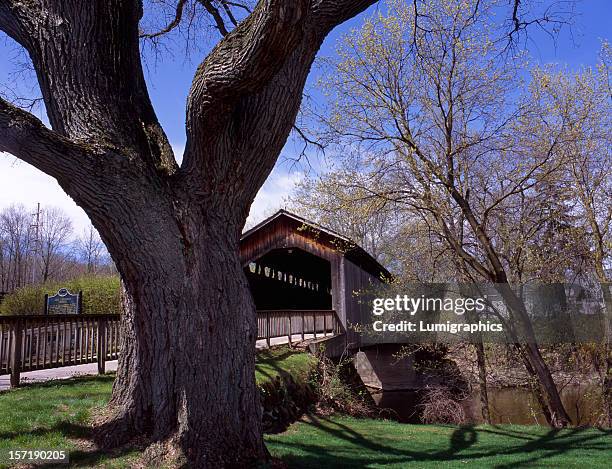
x: 63, y: 302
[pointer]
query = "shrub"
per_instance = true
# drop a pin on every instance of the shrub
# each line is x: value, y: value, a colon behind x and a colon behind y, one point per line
x: 333, y: 389
x: 100, y: 296
x: 442, y: 407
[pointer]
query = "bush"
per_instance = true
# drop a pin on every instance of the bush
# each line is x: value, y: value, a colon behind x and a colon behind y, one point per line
x: 100, y: 296
x: 441, y: 406
x: 334, y: 391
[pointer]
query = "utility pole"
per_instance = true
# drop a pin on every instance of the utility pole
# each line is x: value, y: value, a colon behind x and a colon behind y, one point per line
x: 35, y: 250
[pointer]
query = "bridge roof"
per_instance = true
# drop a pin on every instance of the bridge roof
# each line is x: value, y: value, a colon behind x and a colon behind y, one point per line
x: 322, y: 235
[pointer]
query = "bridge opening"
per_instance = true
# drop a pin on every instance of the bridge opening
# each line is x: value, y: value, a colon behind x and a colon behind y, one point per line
x: 290, y: 279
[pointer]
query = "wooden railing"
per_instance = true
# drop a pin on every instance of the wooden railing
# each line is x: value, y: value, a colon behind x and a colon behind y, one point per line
x: 29, y: 343
x: 302, y: 323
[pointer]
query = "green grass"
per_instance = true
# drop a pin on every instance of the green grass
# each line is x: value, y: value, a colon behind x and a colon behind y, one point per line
x: 342, y: 442
x: 280, y: 360
x: 56, y: 415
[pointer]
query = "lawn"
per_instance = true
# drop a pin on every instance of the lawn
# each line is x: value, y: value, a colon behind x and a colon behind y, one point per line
x: 276, y: 361
x: 55, y: 415
x: 343, y: 442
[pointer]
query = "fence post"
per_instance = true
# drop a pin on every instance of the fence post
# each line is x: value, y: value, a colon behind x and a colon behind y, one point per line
x: 15, y: 362
x: 101, y: 349
x: 289, y: 337
x: 303, y: 326
x: 314, y: 324
x: 268, y: 329
x: 324, y: 324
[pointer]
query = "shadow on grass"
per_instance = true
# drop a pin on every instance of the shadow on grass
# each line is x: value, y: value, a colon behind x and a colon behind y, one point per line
x: 528, y: 448
x: 86, y: 454
x: 271, y: 358
x: 67, y: 429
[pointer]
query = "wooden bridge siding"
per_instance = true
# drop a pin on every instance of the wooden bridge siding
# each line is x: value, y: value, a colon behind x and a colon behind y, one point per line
x: 358, y: 308
x: 281, y: 236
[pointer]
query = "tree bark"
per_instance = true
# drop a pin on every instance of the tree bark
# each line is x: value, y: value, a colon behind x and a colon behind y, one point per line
x: 186, y: 376
x: 482, y: 381
x: 552, y: 406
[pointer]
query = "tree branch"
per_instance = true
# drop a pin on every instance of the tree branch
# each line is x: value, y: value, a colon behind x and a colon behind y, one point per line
x: 216, y: 15
x: 328, y: 14
x: 248, y: 57
x: 242, y: 63
x: 248, y: 91
x: 10, y: 21
x: 178, y: 16
x: 26, y: 137
x: 90, y: 75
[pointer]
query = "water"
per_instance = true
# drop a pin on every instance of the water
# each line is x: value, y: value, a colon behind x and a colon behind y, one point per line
x: 506, y: 405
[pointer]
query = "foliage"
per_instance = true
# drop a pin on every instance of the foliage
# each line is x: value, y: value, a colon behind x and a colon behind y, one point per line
x: 335, y: 393
x: 101, y: 295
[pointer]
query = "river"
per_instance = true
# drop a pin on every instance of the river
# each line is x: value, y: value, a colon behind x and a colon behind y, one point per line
x: 507, y: 405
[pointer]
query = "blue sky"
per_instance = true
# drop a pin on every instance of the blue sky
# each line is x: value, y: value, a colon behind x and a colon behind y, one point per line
x: 170, y: 78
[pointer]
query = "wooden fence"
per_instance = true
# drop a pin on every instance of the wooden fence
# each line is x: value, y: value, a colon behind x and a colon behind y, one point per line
x: 29, y: 343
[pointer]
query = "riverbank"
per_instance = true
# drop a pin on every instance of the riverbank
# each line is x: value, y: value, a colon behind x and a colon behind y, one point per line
x: 57, y: 415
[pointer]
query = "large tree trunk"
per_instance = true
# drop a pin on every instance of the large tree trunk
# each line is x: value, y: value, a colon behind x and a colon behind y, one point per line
x: 186, y: 375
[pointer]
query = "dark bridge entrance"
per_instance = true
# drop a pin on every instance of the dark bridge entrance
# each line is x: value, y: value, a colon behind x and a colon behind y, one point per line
x: 290, y: 278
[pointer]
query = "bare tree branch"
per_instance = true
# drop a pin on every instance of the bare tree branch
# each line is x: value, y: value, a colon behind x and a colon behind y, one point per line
x: 180, y: 6
x: 24, y: 136
x: 216, y: 15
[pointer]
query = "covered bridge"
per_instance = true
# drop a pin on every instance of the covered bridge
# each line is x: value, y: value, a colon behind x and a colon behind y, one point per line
x: 293, y: 264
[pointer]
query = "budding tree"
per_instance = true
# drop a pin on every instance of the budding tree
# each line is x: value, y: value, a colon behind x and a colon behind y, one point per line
x: 428, y: 103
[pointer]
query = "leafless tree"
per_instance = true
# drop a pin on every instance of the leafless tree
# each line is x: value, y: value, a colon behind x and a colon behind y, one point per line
x: 16, y: 245
x: 54, y: 236
x: 90, y: 249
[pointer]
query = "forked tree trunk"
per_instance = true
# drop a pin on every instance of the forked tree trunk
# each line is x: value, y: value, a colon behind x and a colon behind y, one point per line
x: 186, y: 375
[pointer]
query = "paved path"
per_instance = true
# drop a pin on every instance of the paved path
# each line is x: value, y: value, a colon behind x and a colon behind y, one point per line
x: 92, y: 368
x: 56, y: 373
